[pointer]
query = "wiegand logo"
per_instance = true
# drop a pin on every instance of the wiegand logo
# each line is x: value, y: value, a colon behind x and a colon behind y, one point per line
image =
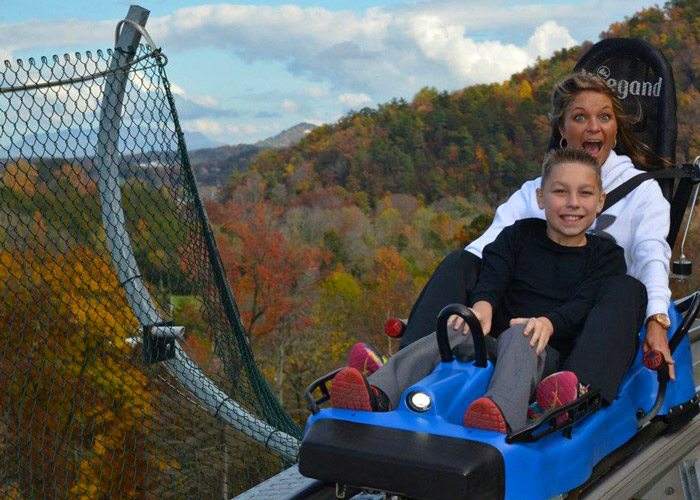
x: 604, y: 72
x: 625, y: 88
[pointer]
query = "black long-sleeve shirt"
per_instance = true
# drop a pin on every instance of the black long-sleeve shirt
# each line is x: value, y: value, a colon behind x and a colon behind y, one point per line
x: 525, y: 274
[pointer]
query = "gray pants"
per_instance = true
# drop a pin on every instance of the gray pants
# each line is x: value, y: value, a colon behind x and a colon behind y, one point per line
x: 518, y: 369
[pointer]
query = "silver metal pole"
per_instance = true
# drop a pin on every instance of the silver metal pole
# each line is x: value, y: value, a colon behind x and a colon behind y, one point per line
x: 107, y: 161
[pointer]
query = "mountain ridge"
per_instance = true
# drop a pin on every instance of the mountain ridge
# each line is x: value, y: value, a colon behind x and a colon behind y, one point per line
x: 213, y: 166
x: 481, y: 141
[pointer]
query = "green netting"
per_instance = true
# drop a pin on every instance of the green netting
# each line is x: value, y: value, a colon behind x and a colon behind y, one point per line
x: 103, y: 237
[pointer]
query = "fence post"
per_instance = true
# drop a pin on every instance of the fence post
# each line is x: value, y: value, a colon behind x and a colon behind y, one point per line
x: 107, y: 162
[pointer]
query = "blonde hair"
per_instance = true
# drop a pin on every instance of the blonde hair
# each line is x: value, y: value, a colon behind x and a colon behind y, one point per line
x: 564, y: 93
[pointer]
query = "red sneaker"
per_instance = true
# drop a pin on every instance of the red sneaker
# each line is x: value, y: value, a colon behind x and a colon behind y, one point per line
x: 350, y: 390
x: 557, y: 390
x: 484, y: 414
x: 364, y: 359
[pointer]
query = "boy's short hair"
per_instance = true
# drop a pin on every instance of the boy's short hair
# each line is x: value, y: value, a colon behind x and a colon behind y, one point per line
x: 569, y: 155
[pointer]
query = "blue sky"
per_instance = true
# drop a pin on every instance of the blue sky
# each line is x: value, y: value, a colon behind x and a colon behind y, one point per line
x: 245, y: 71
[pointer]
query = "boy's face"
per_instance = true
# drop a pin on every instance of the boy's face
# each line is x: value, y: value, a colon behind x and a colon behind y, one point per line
x: 571, y: 199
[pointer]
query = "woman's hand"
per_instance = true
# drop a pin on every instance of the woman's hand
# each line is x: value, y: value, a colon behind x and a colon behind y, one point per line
x: 541, y: 329
x: 656, y: 340
x: 483, y: 312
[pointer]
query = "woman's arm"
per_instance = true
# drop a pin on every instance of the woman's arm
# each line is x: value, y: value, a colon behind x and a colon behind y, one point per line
x: 651, y: 256
x: 650, y: 253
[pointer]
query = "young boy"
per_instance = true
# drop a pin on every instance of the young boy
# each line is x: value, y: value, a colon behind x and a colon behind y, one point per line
x: 537, y: 284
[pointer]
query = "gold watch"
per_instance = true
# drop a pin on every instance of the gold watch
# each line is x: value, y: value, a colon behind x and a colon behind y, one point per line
x: 662, y: 319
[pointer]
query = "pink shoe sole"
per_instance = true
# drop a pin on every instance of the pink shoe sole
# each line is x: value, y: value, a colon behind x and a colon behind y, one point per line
x: 364, y: 359
x: 351, y: 391
x: 557, y: 390
x: 484, y: 414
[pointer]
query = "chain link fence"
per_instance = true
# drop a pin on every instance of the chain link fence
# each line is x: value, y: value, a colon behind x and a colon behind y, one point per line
x: 105, y: 253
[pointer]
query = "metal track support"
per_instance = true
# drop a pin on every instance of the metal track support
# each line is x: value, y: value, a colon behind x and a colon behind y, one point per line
x: 107, y: 161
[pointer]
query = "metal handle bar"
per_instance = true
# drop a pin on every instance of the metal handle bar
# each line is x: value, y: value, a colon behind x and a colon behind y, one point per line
x: 474, y: 328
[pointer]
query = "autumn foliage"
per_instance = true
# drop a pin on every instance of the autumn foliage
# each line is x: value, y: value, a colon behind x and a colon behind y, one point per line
x: 377, y: 199
x: 75, y: 403
x: 321, y: 243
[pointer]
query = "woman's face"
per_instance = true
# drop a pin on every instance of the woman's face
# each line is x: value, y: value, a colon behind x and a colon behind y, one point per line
x: 590, y: 124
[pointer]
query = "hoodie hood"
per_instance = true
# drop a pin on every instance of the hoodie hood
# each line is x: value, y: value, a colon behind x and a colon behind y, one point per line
x: 616, y: 170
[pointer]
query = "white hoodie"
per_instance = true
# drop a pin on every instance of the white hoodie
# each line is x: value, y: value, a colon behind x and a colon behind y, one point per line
x: 639, y: 223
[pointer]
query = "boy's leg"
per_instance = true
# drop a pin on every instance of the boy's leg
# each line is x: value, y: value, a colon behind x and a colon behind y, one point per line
x: 608, y: 343
x: 518, y: 371
x: 451, y: 283
x: 415, y: 362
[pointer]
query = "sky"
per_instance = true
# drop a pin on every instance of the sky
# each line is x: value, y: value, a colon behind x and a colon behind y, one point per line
x: 245, y: 71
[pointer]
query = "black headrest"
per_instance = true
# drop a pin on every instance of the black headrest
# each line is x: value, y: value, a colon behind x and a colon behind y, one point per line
x: 639, y: 73
x: 641, y: 76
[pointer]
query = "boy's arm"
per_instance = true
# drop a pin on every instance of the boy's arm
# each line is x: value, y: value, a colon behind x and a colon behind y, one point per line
x: 497, y: 267
x: 569, y: 318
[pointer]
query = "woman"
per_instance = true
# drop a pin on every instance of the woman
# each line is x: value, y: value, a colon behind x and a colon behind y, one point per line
x: 587, y: 114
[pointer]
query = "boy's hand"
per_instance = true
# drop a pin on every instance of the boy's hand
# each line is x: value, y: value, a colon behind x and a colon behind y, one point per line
x: 541, y: 329
x: 483, y: 312
x: 457, y: 323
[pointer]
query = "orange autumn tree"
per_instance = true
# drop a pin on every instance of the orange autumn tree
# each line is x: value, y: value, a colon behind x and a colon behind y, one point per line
x: 390, y: 293
x: 274, y: 278
x: 74, y: 405
x: 271, y: 275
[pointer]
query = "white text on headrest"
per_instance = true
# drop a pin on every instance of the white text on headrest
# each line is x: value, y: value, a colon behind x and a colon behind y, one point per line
x: 635, y: 87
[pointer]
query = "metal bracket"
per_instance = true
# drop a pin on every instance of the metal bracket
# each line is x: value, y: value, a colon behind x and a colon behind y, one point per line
x: 690, y: 479
x: 159, y: 342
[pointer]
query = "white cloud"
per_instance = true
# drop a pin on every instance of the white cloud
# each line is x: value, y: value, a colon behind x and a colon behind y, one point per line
x: 176, y: 89
x: 205, y: 126
x: 252, y: 129
x: 194, y: 107
x: 315, y: 92
x: 5, y: 53
x: 204, y: 100
x: 446, y: 45
x: 345, y: 56
x: 289, y: 106
x: 232, y: 128
x: 353, y: 100
x: 57, y: 35
x: 382, y: 52
x: 548, y: 38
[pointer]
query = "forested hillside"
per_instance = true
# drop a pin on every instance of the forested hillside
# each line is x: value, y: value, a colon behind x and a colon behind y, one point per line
x: 483, y: 139
x: 213, y: 166
x: 321, y: 242
x: 325, y: 240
